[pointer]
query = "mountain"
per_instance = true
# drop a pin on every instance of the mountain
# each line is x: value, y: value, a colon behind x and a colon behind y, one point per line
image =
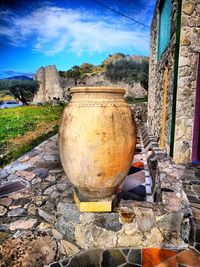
x: 19, y: 78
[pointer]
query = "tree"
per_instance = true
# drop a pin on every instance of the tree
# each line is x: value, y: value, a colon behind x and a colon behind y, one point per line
x: 128, y: 70
x: 75, y: 67
x: 23, y: 90
x: 143, y: 75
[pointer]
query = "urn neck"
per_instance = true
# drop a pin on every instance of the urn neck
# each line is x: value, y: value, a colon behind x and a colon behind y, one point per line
x: 99, y: 89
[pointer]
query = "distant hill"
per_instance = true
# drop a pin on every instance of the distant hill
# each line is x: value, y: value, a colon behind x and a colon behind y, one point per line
x: 19, y: 78
x: 89, y: 69
x: 114, y: 57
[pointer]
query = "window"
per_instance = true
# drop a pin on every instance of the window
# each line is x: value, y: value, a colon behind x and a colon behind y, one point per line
x: 164, y: 26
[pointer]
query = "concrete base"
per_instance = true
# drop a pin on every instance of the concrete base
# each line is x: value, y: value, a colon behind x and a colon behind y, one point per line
x: 86, y: 204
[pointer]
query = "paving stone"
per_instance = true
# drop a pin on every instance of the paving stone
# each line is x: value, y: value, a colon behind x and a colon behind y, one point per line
x: 36, y: 180
x: 189, y: 172
x: 33, y: 153
x: 3, y: 174
x: 49, y: 157
x: 192, y: 182
x: 109, y: 221
x: 48, y: 165
x: 3, y: 237
x: 64, y: 262
x: 68, y: 211
x: 44, y: 226
x: 196, y: 221
x: 41, y: 172
x: 11, y: 187
x: 17, y: 234
x: 189, y: 192
x: 34, y: 160
x: 196, y: 205
x: 67, y: 248
x: 46, y: 214
x: 197, y: 174
x: 21, y: 201
x: 14, y: 207
x: 39, y: 200
x: 125, y: 251
x: 197, y: 233
x: 17, y: 167
x: 55, y: 194
x: 56, y: 171
x: 32, y: 209
x: 3, y: 211
x: 18, y: 212
x: 6, y: 201
x: 135, y: 256
x: 130, y: 265
x: 55, y: 264
x: 193, y: 199
x: 4, y: 227
x: 26, y: 175
x: 90, y: 258
x: 196, y: 213
x: 51, y: 178
x: 50, y: 190
x: 12, y: 177
x: 67, y: 228
x: 188, y: 257
x: 24, y: 159
x: 28, y: 250
x: 22, y: 224
x: 112, y: 258
x: 197, y: 247
x: 196, y: 189
x: 56, y: 234
x: 63, y: 186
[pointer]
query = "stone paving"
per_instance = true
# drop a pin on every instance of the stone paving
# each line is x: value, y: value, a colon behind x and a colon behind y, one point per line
x: 191, y: 184
x: 35, y: 230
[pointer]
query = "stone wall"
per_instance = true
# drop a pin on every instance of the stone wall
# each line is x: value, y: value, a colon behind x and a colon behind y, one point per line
x: 135, y: 90
x: 156, y: 78
x: 187, y: 75
x: 186, y: 89
x: 139, y: 111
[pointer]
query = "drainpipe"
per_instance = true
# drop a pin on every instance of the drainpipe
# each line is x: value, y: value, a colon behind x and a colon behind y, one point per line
x: 176, y: 62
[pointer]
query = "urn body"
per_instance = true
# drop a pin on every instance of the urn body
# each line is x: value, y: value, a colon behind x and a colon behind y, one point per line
x: 97, y: 140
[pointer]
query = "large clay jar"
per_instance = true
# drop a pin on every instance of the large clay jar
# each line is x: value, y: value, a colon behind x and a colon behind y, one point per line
x: 97, y: 140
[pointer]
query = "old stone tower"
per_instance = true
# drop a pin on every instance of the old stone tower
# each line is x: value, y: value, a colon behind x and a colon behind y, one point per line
x: 50, y: 87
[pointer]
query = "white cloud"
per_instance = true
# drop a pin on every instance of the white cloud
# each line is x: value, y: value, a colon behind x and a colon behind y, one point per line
x: 51, y: 30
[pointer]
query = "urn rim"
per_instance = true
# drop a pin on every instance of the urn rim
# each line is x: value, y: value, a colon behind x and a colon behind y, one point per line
x: 97, y: 89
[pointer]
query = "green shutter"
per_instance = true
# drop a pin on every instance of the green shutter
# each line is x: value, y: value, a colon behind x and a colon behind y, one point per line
x: 164, y: 26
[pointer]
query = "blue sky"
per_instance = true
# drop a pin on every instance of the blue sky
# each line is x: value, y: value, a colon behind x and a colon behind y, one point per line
x: 69, y: 32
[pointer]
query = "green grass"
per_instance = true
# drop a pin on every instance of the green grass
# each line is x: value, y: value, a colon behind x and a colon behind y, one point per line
x: 23, y: 128
x: 17, y: 121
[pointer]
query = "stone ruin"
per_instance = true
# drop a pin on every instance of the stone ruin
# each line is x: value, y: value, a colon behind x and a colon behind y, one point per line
x: 52, y: 86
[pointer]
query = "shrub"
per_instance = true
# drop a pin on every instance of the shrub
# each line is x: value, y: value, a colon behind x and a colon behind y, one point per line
x: 128, y: 70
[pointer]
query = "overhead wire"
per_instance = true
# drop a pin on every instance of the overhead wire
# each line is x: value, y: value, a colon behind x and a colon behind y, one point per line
x: 121, y: 14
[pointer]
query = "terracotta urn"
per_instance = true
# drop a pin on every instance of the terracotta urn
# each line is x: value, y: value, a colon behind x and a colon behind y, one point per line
x: 97, y: 140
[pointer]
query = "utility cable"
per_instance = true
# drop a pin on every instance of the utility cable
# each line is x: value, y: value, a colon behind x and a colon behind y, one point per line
x: 121, y: 14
